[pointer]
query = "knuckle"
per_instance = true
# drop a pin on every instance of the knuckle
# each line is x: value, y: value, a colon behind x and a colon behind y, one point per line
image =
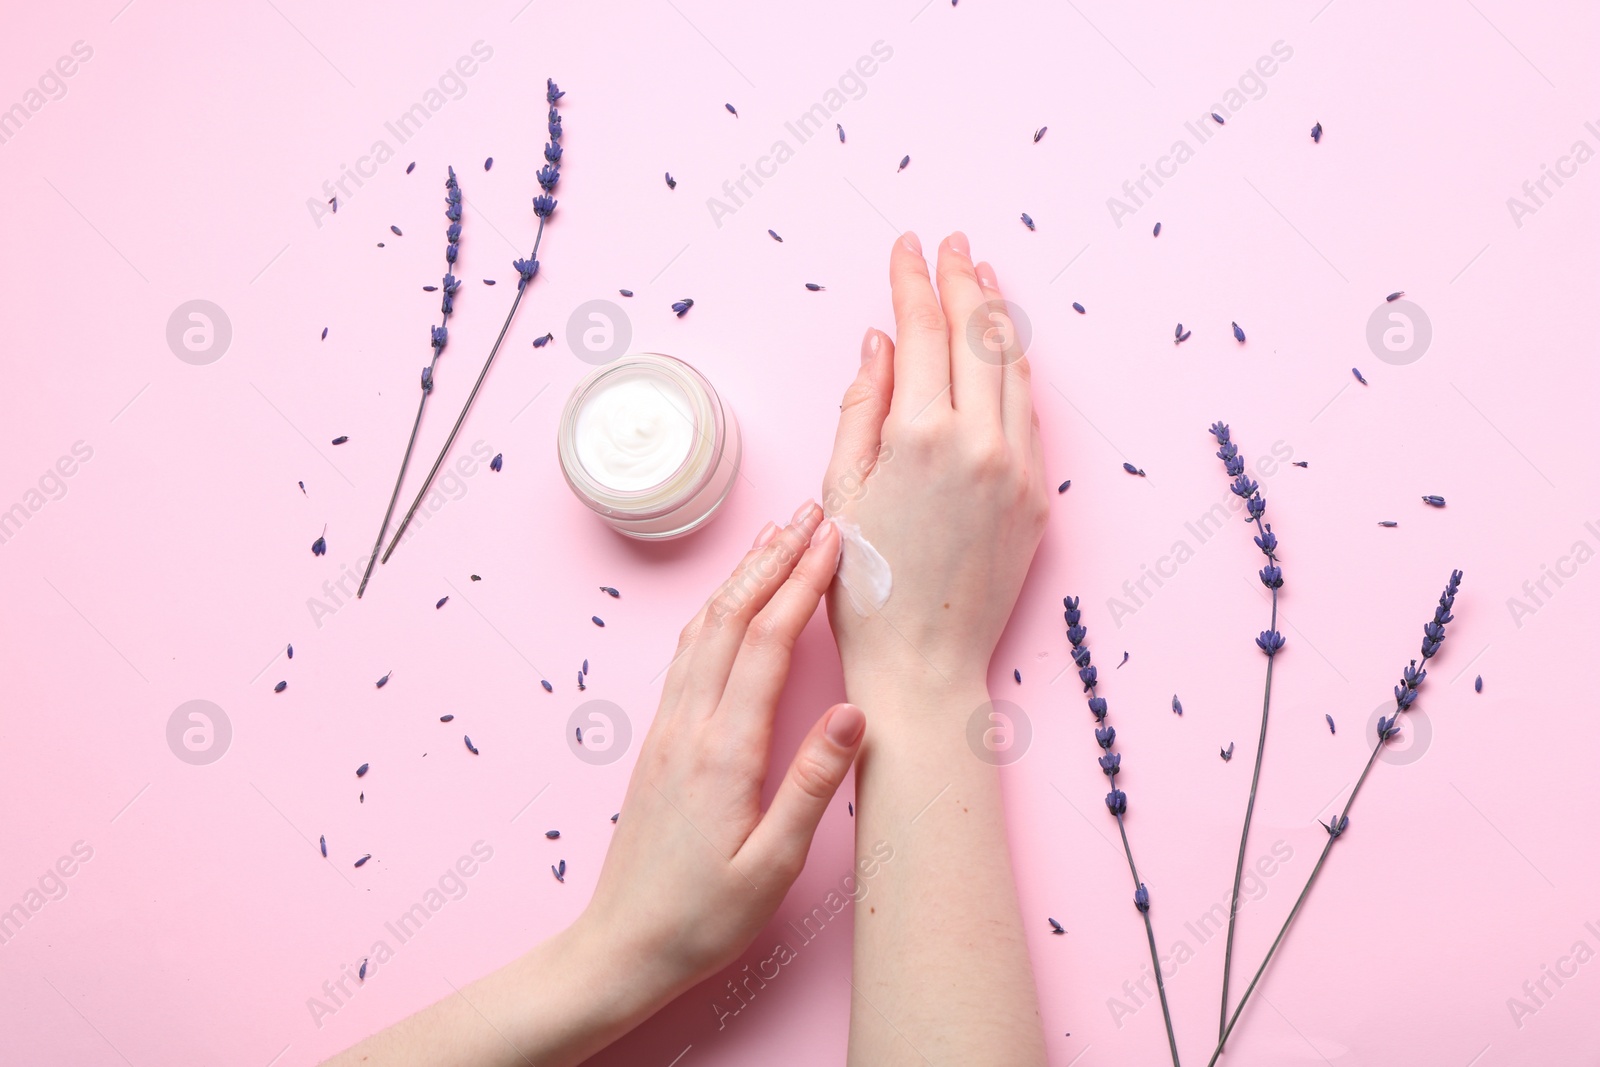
x: 924, y: 318
x: 812, y: 775
x: 766, y: 632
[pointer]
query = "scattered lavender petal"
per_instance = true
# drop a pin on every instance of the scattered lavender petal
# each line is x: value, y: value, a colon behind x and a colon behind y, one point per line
x: 548, y: 688
x: 488, y: 163
x: 472, y: 748
x: 323, y: 841
x: 362, y: 862
x: 324, y: 333
x: 1388, y: 522
x: 904, y: 163
x: 1038, y: 135
x: 1027, y: 220
x: 1124, y: 660
x: 1238, y: 334
x: 1392, y: 297
x: 1227, y: 753
x: 814, y: 287
x: 1357, y: 372
x: 1220, y: 120
x: 361, y: 771
x: 341, y: 439
x: 362, y: 974
x: 625, y: 292
x: 1157, y: 231
x: 1078, y: 308
x: 672, y: 183
x: 681, y: 308
x: 774, y: 235
x: 1056, y: 928
x: 1177, y: 705
x: 540, y: 342
x: 552, y: 834
x: 606, y: 589
x: 1433, y: 500
x: 1064, y: 486
x: 597, y: 620
x: 280, y: 687
x: 731, y: 110
x: 447, y: 718
x: 1016, y: 672
x: 497, y: 462
x: 1477, y: 685
x: 1300, y: 463
x: 614, y: 817
x: 396, y: 231
x: 442, y: 601
x: 410, y: 167
x: 1316, y: 134
x: 1331, y: 729
x: 841, y: 132
x: 384, y: 680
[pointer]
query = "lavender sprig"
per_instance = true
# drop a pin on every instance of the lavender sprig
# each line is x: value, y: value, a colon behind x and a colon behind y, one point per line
x: 1270, y: 642
x: 544, y: 205
x: 1116, y: 800
x: 437, y: 337
x: 1405, y: 694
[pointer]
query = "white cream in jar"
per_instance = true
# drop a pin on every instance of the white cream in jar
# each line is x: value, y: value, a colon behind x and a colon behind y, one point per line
x: 647, y: 444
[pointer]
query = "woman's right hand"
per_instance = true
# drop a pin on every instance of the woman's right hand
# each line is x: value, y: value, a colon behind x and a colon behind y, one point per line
x: 938, y: 462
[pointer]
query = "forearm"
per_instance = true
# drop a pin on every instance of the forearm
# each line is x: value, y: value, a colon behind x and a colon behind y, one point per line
x: 555, y: 1005
x: 941, y: 967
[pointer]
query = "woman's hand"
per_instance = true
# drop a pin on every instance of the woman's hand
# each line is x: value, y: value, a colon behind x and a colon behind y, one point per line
x: 937, y: 461
x: 696, y: 869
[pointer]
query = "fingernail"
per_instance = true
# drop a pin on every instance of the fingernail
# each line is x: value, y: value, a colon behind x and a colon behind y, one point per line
x: 845, y: 725
x: 986, y: 276
x: 958, y: 243
x: 803, y: 510
x: 767, y: 533
x: 821, y: 533
x: 912, y: 242
x: 870, y: 343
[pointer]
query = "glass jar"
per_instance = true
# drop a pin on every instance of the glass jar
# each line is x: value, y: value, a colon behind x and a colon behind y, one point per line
x: 647, y: 444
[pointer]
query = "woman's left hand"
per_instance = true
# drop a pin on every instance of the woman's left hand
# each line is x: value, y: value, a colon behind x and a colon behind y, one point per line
x: 696, y: 868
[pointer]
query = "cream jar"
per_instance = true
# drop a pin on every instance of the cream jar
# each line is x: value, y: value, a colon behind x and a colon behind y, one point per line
x: 647, y: 444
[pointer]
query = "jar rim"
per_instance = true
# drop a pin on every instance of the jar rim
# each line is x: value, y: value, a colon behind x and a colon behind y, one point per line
x: 690, y: 476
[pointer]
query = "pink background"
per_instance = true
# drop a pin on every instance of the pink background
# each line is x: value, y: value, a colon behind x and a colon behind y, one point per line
x: 172, y: 565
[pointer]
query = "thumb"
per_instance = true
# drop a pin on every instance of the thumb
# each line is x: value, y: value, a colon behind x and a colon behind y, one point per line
x: 861, y: 415
x: 782, y: 838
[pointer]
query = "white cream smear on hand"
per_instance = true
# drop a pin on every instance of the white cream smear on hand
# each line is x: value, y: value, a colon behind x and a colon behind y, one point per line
x: 863, y: 571
x: 635, y: 432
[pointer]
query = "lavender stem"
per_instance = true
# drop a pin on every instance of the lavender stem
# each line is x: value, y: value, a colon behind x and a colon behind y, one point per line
x: 1249, y: 812
x: 1150, y: 935
x: 450, y: 440
x: 1294, y: 911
